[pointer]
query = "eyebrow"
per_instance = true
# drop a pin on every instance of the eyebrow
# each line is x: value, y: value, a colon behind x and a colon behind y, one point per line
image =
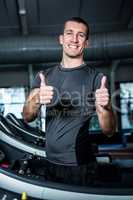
x: 70, y: 30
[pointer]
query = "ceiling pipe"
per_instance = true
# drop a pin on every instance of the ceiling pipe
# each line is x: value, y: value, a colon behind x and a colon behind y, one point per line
x: 41, y: 49
x: 29, y: 49
x: 113, y: 45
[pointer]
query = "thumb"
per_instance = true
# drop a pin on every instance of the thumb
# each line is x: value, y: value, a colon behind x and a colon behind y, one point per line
x: 42, y: 79
x: 103, y: 82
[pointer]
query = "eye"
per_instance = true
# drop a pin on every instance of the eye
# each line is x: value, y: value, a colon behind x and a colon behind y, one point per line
x: 82, y: 35
x: 68, y: 33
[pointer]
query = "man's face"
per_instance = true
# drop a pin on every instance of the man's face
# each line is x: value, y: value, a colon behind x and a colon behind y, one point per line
x: 74, y: 39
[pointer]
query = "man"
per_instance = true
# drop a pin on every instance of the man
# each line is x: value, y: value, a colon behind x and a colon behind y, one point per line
x: 72, y: 91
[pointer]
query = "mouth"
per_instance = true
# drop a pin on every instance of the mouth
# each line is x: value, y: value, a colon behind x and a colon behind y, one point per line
x: 75, y: 47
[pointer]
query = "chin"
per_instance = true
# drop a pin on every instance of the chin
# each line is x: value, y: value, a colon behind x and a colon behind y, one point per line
x: 73, y: 55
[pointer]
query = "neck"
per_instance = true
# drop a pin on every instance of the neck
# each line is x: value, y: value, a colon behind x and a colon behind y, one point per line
x: 72, y: 62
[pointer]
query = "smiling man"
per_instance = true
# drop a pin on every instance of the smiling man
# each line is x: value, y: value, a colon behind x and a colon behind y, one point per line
x: 74, y: 40
x: 73, y: 92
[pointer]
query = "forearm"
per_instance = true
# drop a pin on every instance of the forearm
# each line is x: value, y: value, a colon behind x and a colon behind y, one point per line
x: 107, y: 121
x: 31, y: 106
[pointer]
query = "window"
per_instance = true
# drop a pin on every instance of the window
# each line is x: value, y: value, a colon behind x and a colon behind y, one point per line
x: 12, y: 100
x: 94, y: 124
x: 126, y: 105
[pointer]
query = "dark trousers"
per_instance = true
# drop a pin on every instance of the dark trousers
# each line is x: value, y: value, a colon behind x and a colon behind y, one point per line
x: 92, y: 174
x: 77, y: 175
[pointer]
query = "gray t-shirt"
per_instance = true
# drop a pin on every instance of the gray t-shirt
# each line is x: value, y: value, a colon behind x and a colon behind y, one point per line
x: 68, y: 116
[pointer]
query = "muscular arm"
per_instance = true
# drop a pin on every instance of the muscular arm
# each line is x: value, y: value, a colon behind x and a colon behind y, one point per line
x: 31, y: 105
x: 37, y: 97
x: 106, y: 120
x: 104, y: 109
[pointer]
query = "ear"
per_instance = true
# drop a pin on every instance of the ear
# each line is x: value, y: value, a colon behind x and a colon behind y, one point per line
x: 87, y: 43
x: 61, y: 39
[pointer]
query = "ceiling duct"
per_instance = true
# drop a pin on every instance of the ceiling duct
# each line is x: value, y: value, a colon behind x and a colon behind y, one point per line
x: 41, y: 49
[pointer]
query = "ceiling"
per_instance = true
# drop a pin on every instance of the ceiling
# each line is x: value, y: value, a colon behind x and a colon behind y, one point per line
x: 46, y: 17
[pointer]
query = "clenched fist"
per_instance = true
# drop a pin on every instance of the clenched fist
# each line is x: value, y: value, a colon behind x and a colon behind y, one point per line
x: 46, y: 92
x: 102, y: 96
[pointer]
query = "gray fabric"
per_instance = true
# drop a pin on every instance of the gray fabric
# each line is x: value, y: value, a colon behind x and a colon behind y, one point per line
x: 68, y: 116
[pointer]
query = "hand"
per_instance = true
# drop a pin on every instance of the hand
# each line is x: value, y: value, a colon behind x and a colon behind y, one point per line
x: 46, y: 92
x: 102, y: 96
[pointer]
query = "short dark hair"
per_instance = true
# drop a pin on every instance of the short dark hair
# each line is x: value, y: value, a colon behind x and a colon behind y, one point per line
x: 79, y: 20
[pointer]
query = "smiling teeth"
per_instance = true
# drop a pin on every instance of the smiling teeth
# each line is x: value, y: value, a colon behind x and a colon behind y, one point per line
x: 73, y: 46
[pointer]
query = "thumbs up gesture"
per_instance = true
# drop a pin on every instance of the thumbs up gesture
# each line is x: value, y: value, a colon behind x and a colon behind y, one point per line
x: 102, y: 96
x: 46, y: 92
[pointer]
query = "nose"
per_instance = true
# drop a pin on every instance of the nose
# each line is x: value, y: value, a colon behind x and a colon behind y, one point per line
x: 75, y: 38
